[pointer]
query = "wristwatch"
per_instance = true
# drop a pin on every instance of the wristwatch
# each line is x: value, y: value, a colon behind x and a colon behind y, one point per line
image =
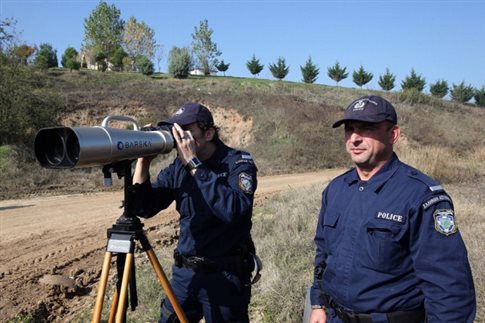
x: 318, y: 307
x: 193, y: 164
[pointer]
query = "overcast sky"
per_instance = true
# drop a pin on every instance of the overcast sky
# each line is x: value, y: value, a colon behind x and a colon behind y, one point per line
x: 441, y: 40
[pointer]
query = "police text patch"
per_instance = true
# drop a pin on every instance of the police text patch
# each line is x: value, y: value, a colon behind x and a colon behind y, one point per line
x: 444, y: 221
x: 246, y: 183
x: 390, y: 217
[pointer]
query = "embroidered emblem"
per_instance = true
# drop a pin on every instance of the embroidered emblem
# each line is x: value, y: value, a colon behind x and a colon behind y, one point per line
x: 360, y: 104
x: 246, y: 183
x: 444, y: 221
x: 179, y: 111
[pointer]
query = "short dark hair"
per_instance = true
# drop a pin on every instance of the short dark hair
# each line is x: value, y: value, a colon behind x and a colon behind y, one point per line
x: 206, y: 126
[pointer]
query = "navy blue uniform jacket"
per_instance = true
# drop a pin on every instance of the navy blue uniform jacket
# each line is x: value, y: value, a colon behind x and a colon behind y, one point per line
x: 215, y: 205
x: 391, y: 244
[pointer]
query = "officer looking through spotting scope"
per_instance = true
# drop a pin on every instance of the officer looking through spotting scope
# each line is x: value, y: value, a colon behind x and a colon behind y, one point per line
x: 388, y: 248
x: 213, y: 186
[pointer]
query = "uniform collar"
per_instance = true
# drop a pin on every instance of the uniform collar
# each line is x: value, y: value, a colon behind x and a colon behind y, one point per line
x: 379, y: 179
x: 219, y: 153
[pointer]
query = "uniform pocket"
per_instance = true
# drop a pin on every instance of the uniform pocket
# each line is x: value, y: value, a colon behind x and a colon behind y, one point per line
x: 383, y: 249
x: 331, y: 231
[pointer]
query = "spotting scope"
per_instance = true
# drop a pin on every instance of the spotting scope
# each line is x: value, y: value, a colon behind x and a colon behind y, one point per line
x: 75, y: 147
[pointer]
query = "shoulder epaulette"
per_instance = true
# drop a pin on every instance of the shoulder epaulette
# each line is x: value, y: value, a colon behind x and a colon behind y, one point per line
x: 432, y: 185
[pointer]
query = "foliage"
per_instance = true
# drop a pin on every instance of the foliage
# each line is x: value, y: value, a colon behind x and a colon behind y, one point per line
x: 138, y: 39
x: 254, y: 66
x: 439, y: 89
x: 204, y: 48
x: 179, y: 62
x: 159, y: 54
x: 144, y: 65
x: 337, y: 73
x: 310, y: 71
x: 279, y: 70
x: 117, y: 59
x: 480, y: 97
x: 24, y: 52
x: 7, y: 34
x: 103, y: 29
x: 362, y: 77
x: 386, y: 81
x: 22, y: 110
x: 69, y: 54
x: 46, y: 56
x: 223, y: 67
x: 73, y: 64
x: 462, y: 93
x: 413, y: 81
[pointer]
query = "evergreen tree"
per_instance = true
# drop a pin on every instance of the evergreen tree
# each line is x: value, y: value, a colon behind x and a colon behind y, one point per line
x: 462, y: 93
x: 46, y: 56
x: 279, y: 70
x: 117, y: 59
x: 480, y: 97
x: 337, y: 73
x: 179, y: 62
x: 439, y: 89
x: 204, y: 48
x: 222, y: 67
x: 254, y: 66
x: 413, y: 81
x: 386, y: 81
x: 310, y: 71
x: 362, y: 77
x: 69, y: 54
x: 103, y: 29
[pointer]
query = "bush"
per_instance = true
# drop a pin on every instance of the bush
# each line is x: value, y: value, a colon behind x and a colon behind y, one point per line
x: 480, y: 97
x: 462, y: 93
x: 144, y: 65
x: 439, y: 89
x: 179, y: 62
x: 413, y: 81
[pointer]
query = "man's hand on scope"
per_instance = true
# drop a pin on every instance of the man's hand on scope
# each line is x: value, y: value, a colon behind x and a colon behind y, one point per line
x: 186, y: 147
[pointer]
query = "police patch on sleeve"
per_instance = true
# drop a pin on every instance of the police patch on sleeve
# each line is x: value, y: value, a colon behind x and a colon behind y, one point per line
x: 246, y: 183
x: 444, y: 221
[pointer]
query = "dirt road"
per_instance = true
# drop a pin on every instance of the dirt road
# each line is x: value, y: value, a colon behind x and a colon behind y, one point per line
x: 51, y: 248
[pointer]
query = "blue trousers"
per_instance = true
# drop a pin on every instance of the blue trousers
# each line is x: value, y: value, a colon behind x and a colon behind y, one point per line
x: 216, y: 296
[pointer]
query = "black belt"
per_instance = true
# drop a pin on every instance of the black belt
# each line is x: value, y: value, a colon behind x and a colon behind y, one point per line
x: 414, y: 316
x: 203, y: 264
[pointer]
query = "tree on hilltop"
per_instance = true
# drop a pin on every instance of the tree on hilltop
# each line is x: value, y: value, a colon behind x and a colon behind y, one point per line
x: 413, y: 81
x: 462, y: 93
x: 279, y: 70
x: 310, y: 71
x: 222, y: 67
x: 386, y: 81
x: 362, y: 77
x: 254, y: 66
x: 46, y: 57
x: 439, y: 89
x: 103, y: 30
x: 69, y: 59
x: 204, y: 48
x: 179, y: 62
x: 138, y: 40
x: 337, y: 73
x: 480, y: 97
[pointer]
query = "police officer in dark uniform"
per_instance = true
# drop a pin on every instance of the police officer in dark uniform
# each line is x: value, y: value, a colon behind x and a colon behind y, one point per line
x: 213, y: 186
x: 388, y: 247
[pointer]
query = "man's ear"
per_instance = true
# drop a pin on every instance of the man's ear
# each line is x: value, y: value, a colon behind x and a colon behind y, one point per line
x: 209, y: 134
x: 394, y: 134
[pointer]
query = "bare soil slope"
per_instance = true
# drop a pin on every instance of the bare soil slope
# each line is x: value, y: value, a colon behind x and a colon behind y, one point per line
x: 52, y: 248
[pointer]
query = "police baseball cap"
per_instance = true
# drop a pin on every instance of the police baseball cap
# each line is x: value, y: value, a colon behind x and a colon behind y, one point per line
x: 188, y: 113
x: 370, y: 108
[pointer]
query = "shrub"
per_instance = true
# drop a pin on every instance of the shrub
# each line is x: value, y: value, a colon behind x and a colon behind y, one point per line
x: 279, y: 70
x: 386, y: 81
x: 413, y: 81
x: 179, y: 62
x: 480, y: 97
x: 462, y: 93
x: 144, y: 65
x: 439, y: 89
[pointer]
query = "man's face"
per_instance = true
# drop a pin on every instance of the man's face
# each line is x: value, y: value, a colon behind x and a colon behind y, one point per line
x: 201, y: 137
x: 370, y: 145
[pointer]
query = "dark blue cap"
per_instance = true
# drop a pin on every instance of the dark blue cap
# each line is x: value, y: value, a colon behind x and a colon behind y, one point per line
x: 190, y: 112
x: 370, y: 108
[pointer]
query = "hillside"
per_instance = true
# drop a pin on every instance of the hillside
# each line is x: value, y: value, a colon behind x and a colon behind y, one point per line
x: 286, y: 126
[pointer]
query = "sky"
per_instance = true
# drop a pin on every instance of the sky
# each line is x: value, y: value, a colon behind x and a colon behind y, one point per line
x: 440, y: 40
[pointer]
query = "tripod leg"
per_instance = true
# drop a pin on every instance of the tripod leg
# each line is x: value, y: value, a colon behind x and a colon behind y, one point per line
x: 166, y: 285
x: 114, y: 306
x: 120, y: 313
x: 102, y: 288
